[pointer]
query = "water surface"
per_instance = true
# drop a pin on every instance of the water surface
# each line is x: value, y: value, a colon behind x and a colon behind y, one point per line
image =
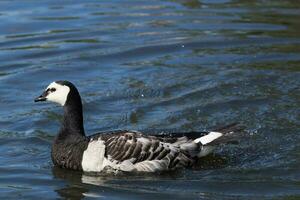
x: 181, y: 65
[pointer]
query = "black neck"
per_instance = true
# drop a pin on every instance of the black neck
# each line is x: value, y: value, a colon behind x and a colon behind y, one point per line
x: 72, y: 124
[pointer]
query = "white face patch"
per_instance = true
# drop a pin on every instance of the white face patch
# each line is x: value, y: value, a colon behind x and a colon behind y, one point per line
x: 59, y: 95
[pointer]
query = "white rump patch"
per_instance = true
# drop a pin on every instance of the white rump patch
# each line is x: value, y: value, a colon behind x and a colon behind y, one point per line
x: 211, y: 136
x: 93, y: 157
x: 59, y: 95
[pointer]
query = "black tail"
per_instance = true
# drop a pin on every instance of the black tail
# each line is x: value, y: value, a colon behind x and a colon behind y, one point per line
x: 232, y: 133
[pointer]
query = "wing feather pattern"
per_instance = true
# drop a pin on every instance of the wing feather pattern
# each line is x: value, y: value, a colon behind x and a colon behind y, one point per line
x: 144, y: 153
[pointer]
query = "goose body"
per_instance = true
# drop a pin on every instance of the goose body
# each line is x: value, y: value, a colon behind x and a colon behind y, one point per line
x: 123, y: 150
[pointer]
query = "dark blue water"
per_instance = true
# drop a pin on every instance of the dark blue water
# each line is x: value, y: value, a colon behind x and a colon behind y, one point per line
x: 181, y: 64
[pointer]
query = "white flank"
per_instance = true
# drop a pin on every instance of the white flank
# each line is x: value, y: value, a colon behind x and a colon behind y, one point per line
x: 208, y: 138
x: 59, y: 95
x: 93, y: 157
x: 152, y: 165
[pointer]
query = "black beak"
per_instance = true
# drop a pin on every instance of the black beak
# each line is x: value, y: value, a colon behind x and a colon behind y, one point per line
x: 42, y: 97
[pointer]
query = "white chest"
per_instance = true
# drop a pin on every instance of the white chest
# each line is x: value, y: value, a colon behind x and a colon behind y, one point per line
x: 93, y: 157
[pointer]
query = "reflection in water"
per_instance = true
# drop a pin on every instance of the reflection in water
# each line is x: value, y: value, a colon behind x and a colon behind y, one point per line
x: 73, y: 188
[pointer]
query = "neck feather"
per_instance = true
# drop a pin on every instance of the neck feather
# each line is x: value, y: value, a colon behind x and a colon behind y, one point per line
x: 72, y: 123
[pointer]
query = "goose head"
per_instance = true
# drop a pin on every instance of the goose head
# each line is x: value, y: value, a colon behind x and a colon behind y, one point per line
x: 58, y: 92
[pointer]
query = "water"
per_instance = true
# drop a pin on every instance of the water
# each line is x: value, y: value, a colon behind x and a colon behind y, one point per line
x: 181, y: 64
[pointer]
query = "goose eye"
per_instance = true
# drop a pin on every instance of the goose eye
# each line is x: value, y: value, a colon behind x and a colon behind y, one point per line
x: 52, y: 90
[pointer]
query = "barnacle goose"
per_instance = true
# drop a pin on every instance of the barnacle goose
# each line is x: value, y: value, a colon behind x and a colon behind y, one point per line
x: 123, y: 150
